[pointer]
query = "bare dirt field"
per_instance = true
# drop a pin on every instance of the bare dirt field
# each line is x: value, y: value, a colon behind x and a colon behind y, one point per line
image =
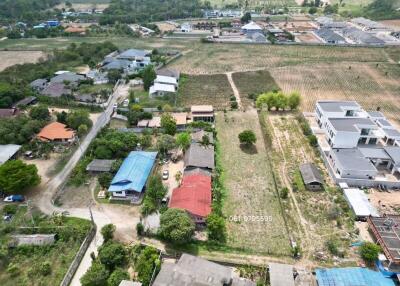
x: 308, y: 38
x: 317, y: 212
x: 368, y: 84
x: 10, y: 58
x: 394, y: 24
x: 250, y: 191
x: 385, y: 202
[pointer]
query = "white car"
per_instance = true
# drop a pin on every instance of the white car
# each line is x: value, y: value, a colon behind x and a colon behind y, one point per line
x: 165, y: 175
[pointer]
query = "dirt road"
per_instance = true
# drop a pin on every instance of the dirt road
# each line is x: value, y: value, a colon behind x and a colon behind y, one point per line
x: 235, y: 90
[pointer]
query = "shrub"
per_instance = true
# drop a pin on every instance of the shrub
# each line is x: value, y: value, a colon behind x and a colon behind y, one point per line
x: 10, y: 209
x: 369, y: 252
x: 284, y: 193
x: 117, y: 276
x: 13, y: 270
x: 332, y: 245
x: 312, y: 139
x: 45, y: 268
x: 216, y: 229
x: 112, y: 254
x: 107, y: 232
x: 140, y: 229
x: 247, y: 137
x: 96, y: 275
x: 234, y: 104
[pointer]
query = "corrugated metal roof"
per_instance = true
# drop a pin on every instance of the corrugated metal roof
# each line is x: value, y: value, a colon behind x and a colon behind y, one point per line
x: 281, y: 274
x: 134, y: 171
x: 7, y: 151
x: 359, y: 203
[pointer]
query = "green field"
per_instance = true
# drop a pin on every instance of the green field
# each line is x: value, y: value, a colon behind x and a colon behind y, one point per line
x: 251, y: 196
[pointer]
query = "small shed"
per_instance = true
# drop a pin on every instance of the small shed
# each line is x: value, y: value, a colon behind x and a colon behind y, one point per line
x: 100, y: 165
x: 359, y: 203
x: 312, y: 177
x: 281, y: 274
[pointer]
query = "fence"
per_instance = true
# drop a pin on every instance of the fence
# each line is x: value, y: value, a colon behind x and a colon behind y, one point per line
x: 78, y: 257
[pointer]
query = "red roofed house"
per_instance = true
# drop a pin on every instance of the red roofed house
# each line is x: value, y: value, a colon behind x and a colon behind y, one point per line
x: 56, y: 132
x: 194, y: 196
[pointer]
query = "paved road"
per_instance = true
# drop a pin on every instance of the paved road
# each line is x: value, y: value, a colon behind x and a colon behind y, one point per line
x: 101, y: 217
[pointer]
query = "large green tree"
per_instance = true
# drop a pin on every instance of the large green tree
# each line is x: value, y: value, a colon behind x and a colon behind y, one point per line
x: 216, y: 229
x: 149, y: 75
x: 165, y: 142
x: 96, y: 275
x: 112, y: 254
x: 16, y: 176
x: 117, y: 276
x: 247, y: 137
x: 77, y: 118
x: 176, y: 226
x: 183, y: 140
x: 168, y: 123
x: 40, y: 112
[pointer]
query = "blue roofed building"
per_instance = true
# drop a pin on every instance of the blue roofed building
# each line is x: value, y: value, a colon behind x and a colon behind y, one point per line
x: 351, y: 276
x: 132, y: 176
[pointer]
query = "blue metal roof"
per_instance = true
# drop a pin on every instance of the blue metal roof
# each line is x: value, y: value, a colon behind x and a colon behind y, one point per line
x: 352, y: 276
x: 134, y: 171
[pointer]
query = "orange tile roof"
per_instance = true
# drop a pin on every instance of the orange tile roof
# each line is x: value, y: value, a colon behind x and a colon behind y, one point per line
x: 75, y: 30
x: 54, y: 131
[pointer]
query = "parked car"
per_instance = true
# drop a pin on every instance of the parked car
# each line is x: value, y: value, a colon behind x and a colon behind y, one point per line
x: 165, y: 175
x: 15, y: 198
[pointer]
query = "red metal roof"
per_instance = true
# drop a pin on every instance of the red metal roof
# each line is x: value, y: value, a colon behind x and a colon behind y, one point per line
x: 194, y: 195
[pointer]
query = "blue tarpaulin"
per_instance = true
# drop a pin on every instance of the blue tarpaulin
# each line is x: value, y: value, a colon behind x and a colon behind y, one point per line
x: 133, y: 173
x: 352, y: 276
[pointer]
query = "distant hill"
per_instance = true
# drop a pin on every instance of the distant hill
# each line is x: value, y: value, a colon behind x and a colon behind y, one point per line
x: 28, y: 10
x: 383, y: 9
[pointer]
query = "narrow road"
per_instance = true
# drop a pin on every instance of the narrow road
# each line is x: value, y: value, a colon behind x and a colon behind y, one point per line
x: 235, y: 90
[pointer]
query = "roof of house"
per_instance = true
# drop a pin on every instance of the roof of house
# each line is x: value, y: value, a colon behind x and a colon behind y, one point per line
x: 201, y: 108
x: 192, y: 270
x: 8, y: 112
x: 258, y: 37
x: 155, y: 122
x: 133, y: 53
x: 337, y: 106
x: 281, y: 274
x: 193, y: 195
x: 54, y: 131
x: 367, y: 23
x: 362, y: 36
x: 7, y: 151
x: 391, y: 133
x: 351, y: 124
x: 166, y: 80
x: 56, y: 89
x: 116, y: 65
x: 351, y: 276
x: 352, y: 159
x: 84, y: 97
x: 156, y: 87
x: 169, y: 72
x: 180, y: 118
x: 200, y: 156
x: 75, y: 30
x: 38, y: 83
x: 376, y: 114
x: 129, y: 283
x: 371, y: 152
x: 25, y: 101
x: 359, y: 202
x: 98, y: 165
x: 134, y: 171
x: 67, y: 76
x: 394, y: 153
x: 329, y: 35
x: 251, y: 26
x: 335, y: 25
x: 384, y: 123
x: 311, y: 174
x: 198, y: 136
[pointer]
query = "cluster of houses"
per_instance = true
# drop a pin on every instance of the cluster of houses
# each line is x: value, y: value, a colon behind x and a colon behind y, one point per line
x: 129, y: 61
x: 360, y: 31
x: 360, y: 148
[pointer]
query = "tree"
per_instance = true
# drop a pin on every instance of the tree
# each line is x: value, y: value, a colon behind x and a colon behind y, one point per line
x: 247, y: 137
x: 146, y: 263
x: 284, y: 193
x: 266, y: 99
x: 62, y: 117
x: 107, y: 232
x: 312, y: 10
x: 246, y: 17
x: 167, y: 108
x: 293, y: 100
x: 216, y: 229
x: 155, y: 192
x: 82, y: 129
x: 183, y: 140
x: 77, y: 118
x: 112, y: 254
x: 165, y: 143
x: 40, y: 112
x: 114, y: 75
x: 205, y: 140
x: 96, y: 275
x: 105, y: 179
x: 168, y: 123
x: 117, y: 276
x: 176, y: 226
x: 16, y: 176
x: 280, y: 101
x: 149, y: 75
x: 369, y: 252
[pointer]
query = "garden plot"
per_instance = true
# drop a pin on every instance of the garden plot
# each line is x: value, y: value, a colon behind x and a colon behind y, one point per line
x: 371, y: 85
x: 325, y: 213
x: 250, y: 191
x: 205, y: 89
x: 253, y: 83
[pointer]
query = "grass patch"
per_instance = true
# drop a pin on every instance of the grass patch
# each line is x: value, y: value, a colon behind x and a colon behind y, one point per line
x: 206, y: 89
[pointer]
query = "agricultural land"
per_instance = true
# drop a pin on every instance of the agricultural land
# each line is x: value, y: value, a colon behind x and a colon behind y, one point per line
x: 10, y: 58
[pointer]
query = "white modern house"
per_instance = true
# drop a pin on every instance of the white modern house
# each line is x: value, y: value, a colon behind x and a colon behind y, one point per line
x: 251, y: 28
x: 186, y: 28
x: 166, y: 80
x: 159, y: 89
x: 359, y: 148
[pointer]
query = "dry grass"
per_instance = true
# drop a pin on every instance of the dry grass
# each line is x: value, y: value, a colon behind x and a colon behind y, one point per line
x: 205, y: 89
x: 10, y: 58
x: 250, y: 188
x: 365, y: 83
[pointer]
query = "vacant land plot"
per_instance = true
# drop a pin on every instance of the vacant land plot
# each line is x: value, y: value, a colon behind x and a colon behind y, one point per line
x: 370, y: 85
x: 253, y: 83
x: 250, y: 189
x: 205, y: 89
x: 10, y: 58
x: 219, y: 58
x: 325, y: 219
